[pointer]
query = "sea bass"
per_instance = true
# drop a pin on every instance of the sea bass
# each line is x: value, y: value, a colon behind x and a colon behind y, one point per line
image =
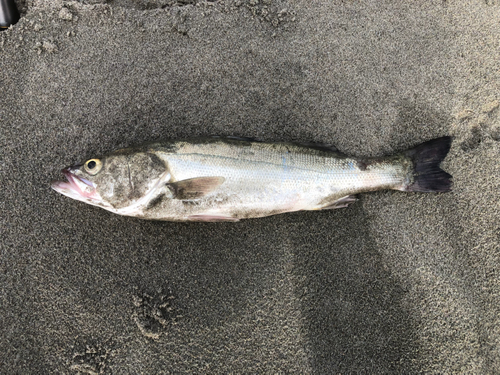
x: 228, y: 179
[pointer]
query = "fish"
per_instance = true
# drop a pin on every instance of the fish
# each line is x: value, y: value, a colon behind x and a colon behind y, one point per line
x: 217, y: 179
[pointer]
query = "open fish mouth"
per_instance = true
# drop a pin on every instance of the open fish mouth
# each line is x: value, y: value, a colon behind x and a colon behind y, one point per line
x: 76, y: 187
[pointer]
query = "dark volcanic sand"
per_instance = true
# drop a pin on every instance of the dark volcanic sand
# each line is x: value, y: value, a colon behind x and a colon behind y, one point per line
x: 397, y: 283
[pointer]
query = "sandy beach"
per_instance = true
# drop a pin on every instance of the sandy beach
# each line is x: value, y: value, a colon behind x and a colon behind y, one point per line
x: 398, y: 283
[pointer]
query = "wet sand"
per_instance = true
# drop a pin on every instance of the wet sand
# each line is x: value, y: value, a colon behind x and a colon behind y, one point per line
x: 396, y: 283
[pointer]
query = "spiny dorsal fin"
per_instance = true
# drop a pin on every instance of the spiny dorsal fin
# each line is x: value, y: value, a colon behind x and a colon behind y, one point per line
x: 194, y: 187
x: 314, y: 145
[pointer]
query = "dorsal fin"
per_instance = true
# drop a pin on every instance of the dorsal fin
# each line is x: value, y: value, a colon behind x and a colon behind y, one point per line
x: 319, y: 146
x: 236, y: 138
x: 328, y: 147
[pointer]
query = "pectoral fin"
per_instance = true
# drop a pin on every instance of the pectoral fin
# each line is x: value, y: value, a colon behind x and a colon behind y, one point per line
x: 194, y: 188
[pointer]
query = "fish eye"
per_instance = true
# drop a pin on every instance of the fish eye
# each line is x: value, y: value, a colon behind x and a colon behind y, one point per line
x: 93, y: 166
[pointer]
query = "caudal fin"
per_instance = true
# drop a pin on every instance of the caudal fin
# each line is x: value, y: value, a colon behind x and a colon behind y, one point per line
x: 426, y: 157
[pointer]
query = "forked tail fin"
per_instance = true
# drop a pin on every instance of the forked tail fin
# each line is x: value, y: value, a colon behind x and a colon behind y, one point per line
x: 427, y: 176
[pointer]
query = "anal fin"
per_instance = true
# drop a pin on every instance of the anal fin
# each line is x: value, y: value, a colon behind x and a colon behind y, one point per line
x: 212, y: 218
x: 341, y: 203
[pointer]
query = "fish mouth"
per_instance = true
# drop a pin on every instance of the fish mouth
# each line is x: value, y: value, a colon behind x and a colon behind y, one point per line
x: 76, y: 187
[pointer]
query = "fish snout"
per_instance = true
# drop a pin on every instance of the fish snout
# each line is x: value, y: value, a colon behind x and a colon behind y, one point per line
x: 70, y: 170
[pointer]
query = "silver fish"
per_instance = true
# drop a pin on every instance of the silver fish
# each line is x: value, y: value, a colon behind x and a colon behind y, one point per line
x: 228, y: 179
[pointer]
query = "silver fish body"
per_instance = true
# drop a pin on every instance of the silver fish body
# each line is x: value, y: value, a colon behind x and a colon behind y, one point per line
x: 227, y: 179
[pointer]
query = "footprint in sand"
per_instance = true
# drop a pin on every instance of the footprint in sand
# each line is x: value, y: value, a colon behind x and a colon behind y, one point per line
x: 474, y: 126
x: 154, y: 313
x: 91, y: 359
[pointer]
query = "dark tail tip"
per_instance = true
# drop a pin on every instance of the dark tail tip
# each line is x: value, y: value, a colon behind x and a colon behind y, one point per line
x: 426, y: 157
x: 9, y: 14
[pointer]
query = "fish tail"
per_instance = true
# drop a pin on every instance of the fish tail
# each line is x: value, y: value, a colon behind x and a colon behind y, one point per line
x: 426, y: 175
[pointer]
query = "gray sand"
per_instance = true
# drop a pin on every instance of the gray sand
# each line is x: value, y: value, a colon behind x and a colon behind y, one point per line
x: 397, y: 283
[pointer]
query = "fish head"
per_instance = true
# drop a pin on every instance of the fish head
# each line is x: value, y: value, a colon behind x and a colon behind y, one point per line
x: 112, y: 182
x: 92, y: 182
